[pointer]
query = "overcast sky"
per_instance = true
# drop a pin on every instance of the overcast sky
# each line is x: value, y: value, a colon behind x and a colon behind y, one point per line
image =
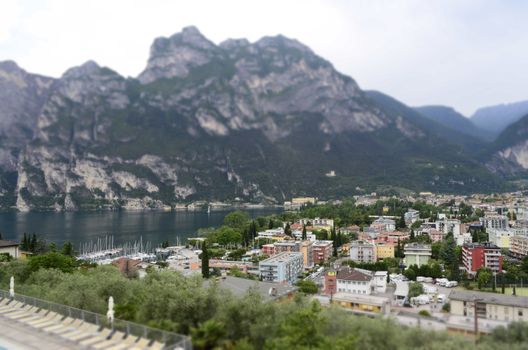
x: 462, y: 53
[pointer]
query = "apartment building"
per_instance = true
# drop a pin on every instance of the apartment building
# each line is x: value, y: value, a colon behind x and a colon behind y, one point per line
x: 282, y: 268
x: 489, y: 306
x: 363, y: 252
x: 322, y: 251
x: 494, y: 221
x: 355, y: 281
x: 500, y: 237
x: 478, y: 255
x: 519, y: 246
x: 384, y: 224
x: 384, y: 250
x: 417, y: 254
x: 304, y: 247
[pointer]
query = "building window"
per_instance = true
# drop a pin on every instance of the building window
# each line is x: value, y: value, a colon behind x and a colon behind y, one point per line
x: 520, y: 313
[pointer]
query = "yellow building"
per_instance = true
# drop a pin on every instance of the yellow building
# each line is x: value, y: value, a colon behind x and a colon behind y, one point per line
x: 384, y: 250
x: 307, y: 251
x: 360, y: 303
x: 303, y: 200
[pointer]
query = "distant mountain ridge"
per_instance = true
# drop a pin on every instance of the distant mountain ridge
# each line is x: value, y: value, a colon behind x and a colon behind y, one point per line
x: 258, y: 122
x: 497, y: 118
x: 449, y: 117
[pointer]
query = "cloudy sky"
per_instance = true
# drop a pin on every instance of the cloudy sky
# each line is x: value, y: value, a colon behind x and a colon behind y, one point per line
x: 462, y: 53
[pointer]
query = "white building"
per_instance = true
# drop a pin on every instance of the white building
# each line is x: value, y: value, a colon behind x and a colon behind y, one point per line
x: 9, y: 247
x: 500, y: 237
x: 494, y: 221
x: 411, y: 216
x: 363, y: 252
x: 354, y: 281
x: 271, y: 233
x: 380, y: 281
x: 384, y: 224
x: 282, y: 268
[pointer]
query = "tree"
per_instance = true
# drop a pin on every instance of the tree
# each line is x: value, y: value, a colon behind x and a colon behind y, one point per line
x: 67, y: 249
x: 399, y: 252
x: 304, y: 234
x: 412, y: 236
x: 415, y: 289
x: 270, y: 224
x: 484, y: 276
x: 287, y: 229
x: 400, y: 223
x: 237, y: 220
x: 52, y: 260
x: 226, y: 235
x: 205, y: 260
x: 307, y: 287
x: 253, y: 230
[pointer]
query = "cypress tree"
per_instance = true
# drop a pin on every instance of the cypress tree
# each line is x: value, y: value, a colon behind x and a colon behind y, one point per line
x: 412, y: 235
x: 67, y: 249
x: 304, y: 235
x: 287, y: 229
x: 33, y: 243
x: 205, y: 260
x: 270, y: 224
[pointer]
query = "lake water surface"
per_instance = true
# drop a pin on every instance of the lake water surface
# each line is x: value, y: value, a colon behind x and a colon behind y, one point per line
x: 125, y: 226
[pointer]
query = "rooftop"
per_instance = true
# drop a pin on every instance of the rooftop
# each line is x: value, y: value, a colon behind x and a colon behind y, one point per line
x: 361, y: 298
x: 351, y: 274
x: 486, y: 245
x: 4, y: 243
x: 417, y: 246
x: 489, y: 298
x: 282, y: 257
x: 241, y: 286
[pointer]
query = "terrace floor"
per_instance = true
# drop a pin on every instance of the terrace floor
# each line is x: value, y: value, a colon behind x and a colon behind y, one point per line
x: 16, y: 336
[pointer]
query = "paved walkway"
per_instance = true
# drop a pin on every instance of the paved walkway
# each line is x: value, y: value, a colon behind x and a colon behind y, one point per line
x: 16, y: 336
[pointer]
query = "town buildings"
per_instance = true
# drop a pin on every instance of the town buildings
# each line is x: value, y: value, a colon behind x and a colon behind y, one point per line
x: 282, y: 268
x: 500, y: 237
x: 384, y: 224
x: 322, y: 251
x: 411, y: 216
x: 478, y: 255
x: 304, y: 247
x: 350, y: 280
x: 363, y: 252
x: 392, y: 237
x: 9, y: 247
x: 494, y: 221
x: 384, y: 250
x: 519, y: 246
x: 489, y: 306
x: 417, y: 254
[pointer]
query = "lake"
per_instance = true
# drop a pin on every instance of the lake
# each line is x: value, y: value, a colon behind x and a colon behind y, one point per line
x: 125, y: 226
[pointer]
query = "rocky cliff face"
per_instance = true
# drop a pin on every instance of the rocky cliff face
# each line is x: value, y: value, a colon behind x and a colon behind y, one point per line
x: 508, y: 155
x: 260, y: 121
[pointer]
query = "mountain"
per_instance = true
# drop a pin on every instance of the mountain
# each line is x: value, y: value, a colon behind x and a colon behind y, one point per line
x: 495, y: 119
x: 508, y: 155
x: 452, y: 119
x: 464, y: 143
x: 258, y: 122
